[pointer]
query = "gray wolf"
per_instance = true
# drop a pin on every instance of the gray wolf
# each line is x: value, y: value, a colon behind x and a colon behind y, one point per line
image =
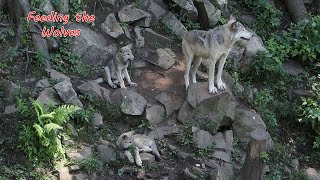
x: 134, y: 143
x: 214, y: 45
x: 117, y: 68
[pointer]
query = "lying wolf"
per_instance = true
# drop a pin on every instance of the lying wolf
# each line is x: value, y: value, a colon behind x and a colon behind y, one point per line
x: 134, y: 143
x: 117, y: 69
x: 214, y: 45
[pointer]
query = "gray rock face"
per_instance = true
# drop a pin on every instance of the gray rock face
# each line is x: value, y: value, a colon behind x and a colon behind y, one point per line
x: 87, y: 38
x: 166, y: 58
x: 219, y: 141
x: 67, y: 93
x: 98, y: 56
x: 202, y: 139
x: 160, y: 132
x: 228, y: 135
x: 176, y: 26
x: 8, y: 88
x: 292, y: 68
x: 230, y: 82
x: 129, y: 14
x: 46, y: 6
x: 166, y: 100
x: 131, y: 103
x: 111, y: 26
x: 151, y: 34
x: 222, y: 155
x: 106, y: 153
x: 63, y: 6
x: 93, y: 89
x: 245, y: 122
x: 84, y: 153
x: 10, y: 109
x: 57, y: 76
x: 207, y: 111
x: 147, y: 158
x: 212, y: 12
x: 155, y: 114
x: 41, y: 85
x: 188, y: 7
x: 157, y: 10
x: 312, y: 174
x: 49, y: 96
x: 97, y: 119
x: 110, y: 2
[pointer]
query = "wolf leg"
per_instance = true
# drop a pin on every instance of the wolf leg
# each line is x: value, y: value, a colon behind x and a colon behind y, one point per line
x: 194, y: 68
x: 120, y: 78
x: 126, y: 75
x: 222, y: 61
x: 212, y: 88
x: 108, y: 74
x: 189, y: 57
x: 155, y: 151
x: 137, y: 157
x: 129, y: 156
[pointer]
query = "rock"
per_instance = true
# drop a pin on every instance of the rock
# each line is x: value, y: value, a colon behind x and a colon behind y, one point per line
x: 74, y: 168
x: 297, y: 93
x: 157, y: 10
x: 10, y: 109
x: 106, y: 153
x: 98, y: 56
x: 245, y: 122
x: 67, y: 93
x: 41, y: 85
x: 202, y: 139
x: 46, y: 6
x: 166, y: 58
x: 129, y: 14
x: 174, y: 24
x: 209, y: 14
x: 150, y: 34
x: 295, y: 164
x: 248, y: 19
x: 292, y: 68
x: 64, y: 174
x: 93, y: 89
x: 230, y: 82
x: 139, y: 40
x: 155, y: 114
x: 8, y: 88
x: 111, y: 26
x: 97, y: 119
x: 166, y: 100
x: 237, y: 52
x: 188, y: 8
x: 110, y: 2
x: 312, y: 174
x: 222, y: 155
x: 188, y: 175
x: 84, y: 153
x: 228, y: 135
x: 72, y: 130
x: 87, y: 38
x: 57, y: 76
x: 62, y: 6
x: 131, y: 103
x: 252, y: 47
x: 160, y: 132
x: 219, y: 141
x: 207, y: 111
x: 147, y: 158
x: 49, y: 97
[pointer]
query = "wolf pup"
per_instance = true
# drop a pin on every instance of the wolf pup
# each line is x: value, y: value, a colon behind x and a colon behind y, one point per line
x: 214, y: 45
x: 117, y: 69
x: 134, y: 143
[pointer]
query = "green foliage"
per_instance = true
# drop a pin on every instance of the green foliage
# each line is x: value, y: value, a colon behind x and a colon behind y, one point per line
x: 41, y: 140
x: 204, y: 153
x: 183, y: 17
x: 185, y: 139
x: 6, y: 33
x: 267, y: 16
x: 12, y: 53
x: 90, y: 164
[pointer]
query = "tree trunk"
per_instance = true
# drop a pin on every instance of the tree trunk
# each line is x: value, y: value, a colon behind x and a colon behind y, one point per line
x: 254, y: 165
x: 296, y: 9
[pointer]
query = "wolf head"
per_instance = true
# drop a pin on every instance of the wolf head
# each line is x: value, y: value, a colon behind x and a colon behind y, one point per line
x: 238, y: 30
x: 123, y: 142
x: 126, y: 53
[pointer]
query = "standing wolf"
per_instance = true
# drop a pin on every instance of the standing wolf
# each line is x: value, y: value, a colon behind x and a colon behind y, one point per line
x: 214, y: 45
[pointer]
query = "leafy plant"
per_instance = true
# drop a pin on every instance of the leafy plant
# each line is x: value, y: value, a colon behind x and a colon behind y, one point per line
x: 41, y: 140
x: 90, y: 164
x: 204, y: 153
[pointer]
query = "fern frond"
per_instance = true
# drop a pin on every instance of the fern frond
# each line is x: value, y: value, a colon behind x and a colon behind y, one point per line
x: 63, y: 113
x: 51, y: 126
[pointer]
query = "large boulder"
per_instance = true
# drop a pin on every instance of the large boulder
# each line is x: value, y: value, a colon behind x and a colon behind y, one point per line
x: 93, y: 89
x: 49, y: 96
x: 106, y: 153
x: 46, y: 6
x: 166, y: 100
x: 67, y: 93
x: 174, y: 24
x: 202, y: 139
x: 209, y: 15
x: 155, y: 114
x: 245, y: 122
x: 111, y: 26
x: 208, y: 111
x: 157, y: 8
x: 188, y: 8
x: 130, y: 102
x: 130, y: 14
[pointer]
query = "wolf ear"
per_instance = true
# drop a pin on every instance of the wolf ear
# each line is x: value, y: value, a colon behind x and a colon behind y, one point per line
x: 130, y: 45
x: 234, y: 26
x: 232, y: 18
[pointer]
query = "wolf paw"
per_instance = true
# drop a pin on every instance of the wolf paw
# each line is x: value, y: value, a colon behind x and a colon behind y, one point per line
x: 213, y: 90
x: 221, y: 86
x: 113, y: 86
x: 132, y: 84
x: 139, y: 162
